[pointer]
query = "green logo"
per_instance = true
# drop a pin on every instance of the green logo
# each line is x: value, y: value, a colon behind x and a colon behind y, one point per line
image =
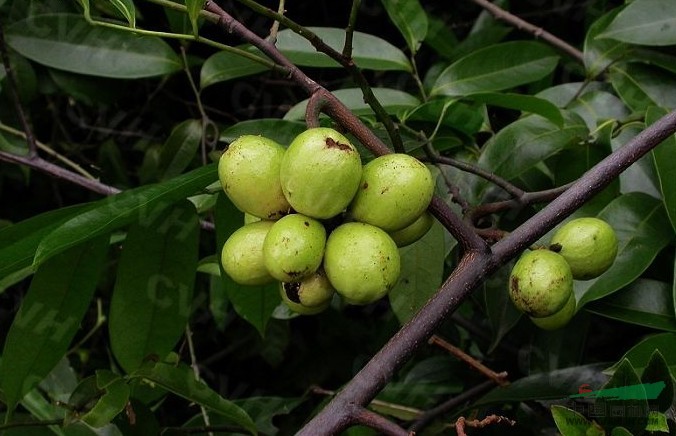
x: 646, y: 391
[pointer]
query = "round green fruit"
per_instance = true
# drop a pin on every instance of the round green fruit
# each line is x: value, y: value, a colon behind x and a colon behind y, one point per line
x: 540, y: 283
x: 362, y: 262
x: 413, y: 232
x: 395, y: 190
x: 242, y: 254
x: 294, y: 247
x: 560, y: 318
x: 320, y: 173
x: 309, y: 296
x: 249, y: 174
x: 588, y: 244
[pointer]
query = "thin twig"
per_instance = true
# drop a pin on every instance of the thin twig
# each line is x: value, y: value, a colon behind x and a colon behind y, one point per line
x: 274, y: 29
x: 196, y: 371
x: 13, y: 91
x: 499, y: 379
x: 349, y: 30
x: 538, y: 32
x: 375, y: 403
x: 462, y: 422
x: 373, y: 420
x: 315, y: 104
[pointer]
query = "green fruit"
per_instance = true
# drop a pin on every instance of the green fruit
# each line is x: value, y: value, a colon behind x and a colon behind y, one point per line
x: 540, y: 283
x: 413, y: 232
x: 249, y: 174
x: 362, y: 262
x: 242, y: 254
x: 309, y: 296
x: 395, y: 190
x: 320, y: 173
x: 294, y: 247
x: 560, y: 318
x: 588, y: 244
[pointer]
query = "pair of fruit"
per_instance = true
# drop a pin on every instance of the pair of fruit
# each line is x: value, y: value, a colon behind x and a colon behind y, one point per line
x: 541, y: 282
x: 320, y: 177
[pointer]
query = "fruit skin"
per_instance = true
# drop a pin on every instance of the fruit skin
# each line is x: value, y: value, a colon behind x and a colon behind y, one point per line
x: 249, y: 174
x: 588, y: 244
x: 394, y: 191
x: 320, y: 172
x: 242, y: 254
x: 413, y: 232
x: 540, y: 283
x: 311, y: 295
x: 560, y: 318
x: 362, y: 262
x: 294, y: 247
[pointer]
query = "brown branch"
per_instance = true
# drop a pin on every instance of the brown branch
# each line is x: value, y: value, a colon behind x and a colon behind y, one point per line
x: 315, y: 104
x: 373, y: 420
x: 499, y: 379
x: 461, y: 423
x: 538, y: 32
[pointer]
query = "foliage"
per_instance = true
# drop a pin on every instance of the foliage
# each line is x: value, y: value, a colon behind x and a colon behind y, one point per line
x: 115, y: 316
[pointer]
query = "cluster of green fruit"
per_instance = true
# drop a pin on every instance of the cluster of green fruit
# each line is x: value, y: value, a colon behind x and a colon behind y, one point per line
x: 327, y: 223
x: 541, y: 282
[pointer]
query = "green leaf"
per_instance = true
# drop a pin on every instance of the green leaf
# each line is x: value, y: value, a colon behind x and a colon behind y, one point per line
x: 571, y: 423
x: 497, y: 67
x: 645, y: 22
x: 19, y: 241
x: 449, y: 112
x: 369, y: 52
x: 194, y: 8
x: 600, y: 53
x: 641, y: 176
x: 658, y: 371
x: 621, y: 431
x: 644, y: 302
x: 263, y: 410
x: 641, y: 86
x: 112, y: 402
x: 49, y: 317
x: 597, y: 107
x: 127, y: 9
x: 533, y: 139
x: 180, y: 379
x: 642, y: 231
x: 392, y: 101
x: 411, y: 20
x: 140, y: 204
x: 641, y: 353
x: 657, y: 422
x: 440, y: 37
x: 224, y: 66
x: 524, y: 103
x: 254, y: 304
x: 282, y: 131
x: 68, y: 42
x: 500, y: 311
x: 624, y: 375
x: 663, y: 156
x: 180, y: 148
x: 422, y: 269
x: 152, y: 299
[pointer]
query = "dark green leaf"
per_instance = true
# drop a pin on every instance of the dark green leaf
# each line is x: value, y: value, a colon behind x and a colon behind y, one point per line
x: 501, y: 312
x: 440, y: 37
x: 480, y: 38
x: 498, y: 67
x: 642, y: 230
x: 282, y: 131
x: 562, y: 95
x: 112, y: 402
x: 621, y: 431
x: 181, y: 381
x: 411, y: 20
x: 68, y: 42
x: 596, y: 107
x: 254, y: 304
x: 641, y: 86
x: 533, y: 139
x: 180, y: 148
x: 599, y: 53
x: 392, y: 101
x: 658, y: 371
x: 194, y: 8
x: 127, y: 9
x: 263, y: 410
x: 449, y: 112
x: 368, y: 52
x: 524, y: 103
x: 641, y: 353
x: 422, y: 268
x: 224, y: 66
x: 49, y: 317
x: 140, y: 204
x: 663, y: 156
x: 153, y: 292
x: 571, y: 423
x: 19, y: 241
x: 639, y: 177
x: 644, y: 302
x: 624, y: 376
x: 646, y: 22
